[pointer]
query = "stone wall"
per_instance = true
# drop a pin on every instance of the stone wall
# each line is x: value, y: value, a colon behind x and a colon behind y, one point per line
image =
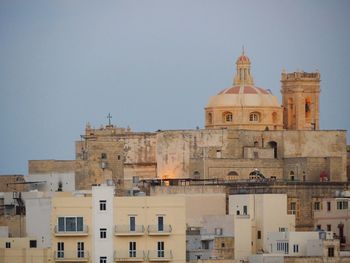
x: 12, y: 183
x: 47, y: 166
x: 16, y: 224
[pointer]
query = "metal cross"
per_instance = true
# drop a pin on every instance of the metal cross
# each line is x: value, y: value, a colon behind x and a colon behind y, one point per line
x: 109, y: 117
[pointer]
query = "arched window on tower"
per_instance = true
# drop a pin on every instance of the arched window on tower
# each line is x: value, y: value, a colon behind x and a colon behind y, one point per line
x: 274, y: 117
x: 210, y: 118
x: 227, y: 116
x: 307, y: 107
x: 254, y: 117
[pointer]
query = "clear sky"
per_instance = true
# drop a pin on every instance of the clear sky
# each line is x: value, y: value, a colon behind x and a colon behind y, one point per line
x: 152, y: 64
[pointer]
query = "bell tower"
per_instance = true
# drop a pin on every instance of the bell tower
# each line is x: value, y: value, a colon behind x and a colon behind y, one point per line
x: 300, y: 99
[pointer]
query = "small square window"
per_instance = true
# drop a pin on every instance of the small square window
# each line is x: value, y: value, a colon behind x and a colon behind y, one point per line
x: 32, y: 243
x: 103, y: 205
x: 103, y: 155
x: 8, y: 244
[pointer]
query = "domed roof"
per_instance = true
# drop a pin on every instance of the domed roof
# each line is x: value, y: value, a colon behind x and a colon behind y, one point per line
x: 244, y: 96
x: 243, y: 93
x: 243, y: 59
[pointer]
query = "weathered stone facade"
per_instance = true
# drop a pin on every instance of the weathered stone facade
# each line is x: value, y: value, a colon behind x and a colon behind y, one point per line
x: 12, y: 183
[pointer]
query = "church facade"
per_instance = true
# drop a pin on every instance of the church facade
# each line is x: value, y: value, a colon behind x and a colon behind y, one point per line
x: 246, y: 130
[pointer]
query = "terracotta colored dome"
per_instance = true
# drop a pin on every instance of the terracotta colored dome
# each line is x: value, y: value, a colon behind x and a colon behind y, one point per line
x: 244, y: 96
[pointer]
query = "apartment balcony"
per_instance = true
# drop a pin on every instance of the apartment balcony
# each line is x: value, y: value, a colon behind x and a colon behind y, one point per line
x: 126, y: 255
x: 156, y: 230
x: 125, y: 230
x: 71, y: 256
x: 159, y: 255
x: 83, y: 232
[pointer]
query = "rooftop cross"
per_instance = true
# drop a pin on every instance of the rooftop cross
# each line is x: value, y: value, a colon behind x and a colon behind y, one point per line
x: 109, y: 117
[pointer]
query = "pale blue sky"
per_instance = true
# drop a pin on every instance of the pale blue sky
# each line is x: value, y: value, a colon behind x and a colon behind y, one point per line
x: 152, y: 64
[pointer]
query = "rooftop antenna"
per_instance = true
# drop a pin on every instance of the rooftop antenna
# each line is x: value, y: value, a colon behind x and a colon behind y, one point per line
x: 109, y: 117
x: 242, y: 49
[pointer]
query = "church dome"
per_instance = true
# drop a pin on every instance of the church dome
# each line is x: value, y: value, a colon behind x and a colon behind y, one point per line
x: 244, y: 105
x: 243, y: 96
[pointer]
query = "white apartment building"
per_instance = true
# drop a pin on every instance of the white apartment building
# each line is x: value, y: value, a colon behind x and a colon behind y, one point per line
x: 255, y: 215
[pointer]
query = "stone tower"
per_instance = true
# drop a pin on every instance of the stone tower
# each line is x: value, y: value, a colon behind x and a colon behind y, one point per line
x: 300, y: 100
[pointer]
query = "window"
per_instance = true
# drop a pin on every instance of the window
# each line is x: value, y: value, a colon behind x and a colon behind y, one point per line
x: 218, y: 231
x: 132, y: 220
x: 132, y: 249
x: 329, y: 227
x: 160, y: 249
x: 283, y: 247
x: 205, y: 244
x: 80, y: 249
x: 293, y: 206
x: 222, y: 244
x: 245, y: 210
x: 118, y: 157
x: 103, y: 232
x: 328, y: 206
x: 103, y: 155
x: 228, y: 117
x: 70, y: 224
x: 210, y: 118
x: 282, y: 229
x: 342, y: 205
x: 60, y: 250
x: 259, y: 234
x: 218, y: 153
x: 103, y: 205
x: 103, y: 259
x: 32, y: 243
x: 295, y: 248
x: 317, y: 206
x: 331, y: 252
x: 254, y: 117
x: 160, y: 223
x: 8, y: 244
x: 318, y: 227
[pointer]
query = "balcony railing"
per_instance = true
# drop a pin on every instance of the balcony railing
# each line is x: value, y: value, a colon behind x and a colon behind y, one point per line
x: 159, y: 255
x: 69, y: 256
x: 129, y: 255
x: 126, y: 230
x: 159, y: 230
x: 82, y: 232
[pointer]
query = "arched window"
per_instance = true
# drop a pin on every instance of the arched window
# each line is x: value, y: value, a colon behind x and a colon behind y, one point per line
x: 254, y: 116
x: 196, y: 175
x: 291, y: 175
x: 274, y: 117
x: 227, y: 117
x: 307, y: 107
x: 232, y: 175
x: 210, y: 118
x: 273, y: 144
x: 256, y: 144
